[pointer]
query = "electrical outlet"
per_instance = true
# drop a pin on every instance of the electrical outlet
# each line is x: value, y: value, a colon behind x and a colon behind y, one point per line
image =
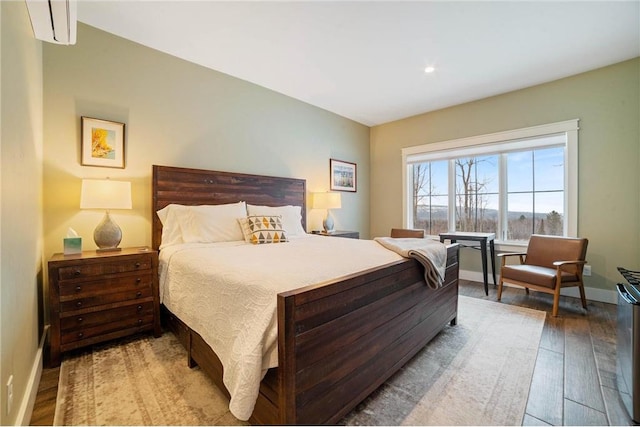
x: 9, y: 394
x: 586, y: 270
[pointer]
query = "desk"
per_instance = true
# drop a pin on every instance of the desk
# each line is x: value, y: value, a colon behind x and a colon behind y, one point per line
x: 483, y: 238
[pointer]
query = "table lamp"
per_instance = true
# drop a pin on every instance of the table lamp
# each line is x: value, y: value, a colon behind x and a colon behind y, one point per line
x: 106, y: 194
x: 327, y: 201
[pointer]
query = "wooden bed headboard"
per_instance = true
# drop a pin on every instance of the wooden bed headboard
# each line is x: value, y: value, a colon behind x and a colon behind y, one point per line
x: 186, y: 186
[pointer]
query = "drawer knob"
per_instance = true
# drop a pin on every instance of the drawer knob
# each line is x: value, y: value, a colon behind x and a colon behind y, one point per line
x: 77, y: 272
x: 137, y: 264
x: 139, y: 308
x: 78, y: 288
x: 138, y: 294
x: 80, y: 334
x: 80, y: 319
x: 139, y: 321
x: 79, y: 304
x: 138, y: 280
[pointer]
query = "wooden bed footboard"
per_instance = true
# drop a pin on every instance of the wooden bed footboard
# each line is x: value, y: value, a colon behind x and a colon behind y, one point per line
x: 338, y: 341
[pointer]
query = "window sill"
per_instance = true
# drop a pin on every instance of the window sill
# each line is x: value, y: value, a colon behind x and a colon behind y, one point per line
x: 502, y: 246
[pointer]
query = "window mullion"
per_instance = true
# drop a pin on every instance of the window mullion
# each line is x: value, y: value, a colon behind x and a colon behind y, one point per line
x: 452, y: 195
x: 408, y: 199
x: 503, y: 216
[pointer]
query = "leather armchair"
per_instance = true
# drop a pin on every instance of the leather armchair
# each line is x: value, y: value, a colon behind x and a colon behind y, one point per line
x: 550, y: 264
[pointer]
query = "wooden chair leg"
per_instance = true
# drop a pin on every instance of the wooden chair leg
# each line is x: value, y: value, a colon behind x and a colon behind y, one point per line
x: 582, y: 295
x: 556, y: 294
x: 504, y: 262
x: 556, y: 302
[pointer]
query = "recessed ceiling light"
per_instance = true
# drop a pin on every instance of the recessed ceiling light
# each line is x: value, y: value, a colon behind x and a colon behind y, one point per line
x: 429, y: 69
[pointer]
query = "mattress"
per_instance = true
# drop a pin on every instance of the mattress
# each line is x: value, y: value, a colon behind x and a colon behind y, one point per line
x: 227, y: 293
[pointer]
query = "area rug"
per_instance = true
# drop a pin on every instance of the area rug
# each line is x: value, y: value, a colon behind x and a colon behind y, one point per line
x: 475, y: 373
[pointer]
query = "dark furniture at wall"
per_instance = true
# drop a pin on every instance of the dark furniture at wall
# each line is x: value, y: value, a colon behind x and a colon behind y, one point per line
x: 95, y: 297
x: 628, y: 343
x: 483, y: 239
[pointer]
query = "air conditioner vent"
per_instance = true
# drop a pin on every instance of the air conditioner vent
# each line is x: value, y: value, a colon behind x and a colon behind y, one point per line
x: 54, y: 21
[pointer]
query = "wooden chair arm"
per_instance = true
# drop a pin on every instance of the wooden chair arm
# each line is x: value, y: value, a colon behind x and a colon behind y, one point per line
x: 561, y: 263
x: 506, y: 255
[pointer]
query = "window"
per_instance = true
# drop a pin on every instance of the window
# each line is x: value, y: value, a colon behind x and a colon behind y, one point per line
x: 513, y: 183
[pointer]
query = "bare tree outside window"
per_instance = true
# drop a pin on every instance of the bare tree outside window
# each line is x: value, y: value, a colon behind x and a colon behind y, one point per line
x: 430, y: 206
x: 472, y: 194
x: 421, y: 188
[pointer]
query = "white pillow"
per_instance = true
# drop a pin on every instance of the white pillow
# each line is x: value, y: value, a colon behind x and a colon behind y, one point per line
x: 291, y: 217
x: 213, y: 223
x: 205, y: 223
x: 171, y: 216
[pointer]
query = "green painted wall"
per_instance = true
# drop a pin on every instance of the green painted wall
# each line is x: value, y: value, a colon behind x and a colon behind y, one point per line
x: 20, y: 207
x: 180, y: 114
x: 607, y: 102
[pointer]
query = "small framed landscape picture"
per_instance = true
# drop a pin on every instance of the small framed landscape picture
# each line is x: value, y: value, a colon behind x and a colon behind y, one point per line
x: 102, y: 143
x: 343, y: 175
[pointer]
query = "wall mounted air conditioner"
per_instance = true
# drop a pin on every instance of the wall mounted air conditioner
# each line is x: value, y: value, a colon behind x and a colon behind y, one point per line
x: 54, y: 21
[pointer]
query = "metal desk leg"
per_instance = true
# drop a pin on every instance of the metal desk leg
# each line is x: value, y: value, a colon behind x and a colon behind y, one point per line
x: 493, y: 261
x: 483, y: 249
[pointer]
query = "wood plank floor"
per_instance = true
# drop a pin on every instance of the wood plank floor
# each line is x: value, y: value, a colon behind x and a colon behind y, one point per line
x: 573, y: 381
x: 574, y: 378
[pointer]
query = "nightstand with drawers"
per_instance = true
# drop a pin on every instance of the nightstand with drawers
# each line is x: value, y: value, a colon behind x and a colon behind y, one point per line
x: 99, y: 296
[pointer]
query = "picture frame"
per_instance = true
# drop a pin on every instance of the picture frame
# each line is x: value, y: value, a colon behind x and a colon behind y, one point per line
x: 343, y: 175
x: 102, y: 143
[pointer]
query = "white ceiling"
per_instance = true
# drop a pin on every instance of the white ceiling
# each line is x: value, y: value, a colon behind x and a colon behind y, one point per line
x: 365, y: 59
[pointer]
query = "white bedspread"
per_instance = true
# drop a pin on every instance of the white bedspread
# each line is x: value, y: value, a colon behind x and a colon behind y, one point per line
x: 226, y: 292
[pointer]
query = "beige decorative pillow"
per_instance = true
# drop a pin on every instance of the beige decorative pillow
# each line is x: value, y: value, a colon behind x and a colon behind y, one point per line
x: 260, y: 229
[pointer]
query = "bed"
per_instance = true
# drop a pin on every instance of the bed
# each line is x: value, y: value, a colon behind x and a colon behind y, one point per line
x: 337, y: 340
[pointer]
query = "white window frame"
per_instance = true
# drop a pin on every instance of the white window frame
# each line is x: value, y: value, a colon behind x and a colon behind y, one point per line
x: 483, y: 144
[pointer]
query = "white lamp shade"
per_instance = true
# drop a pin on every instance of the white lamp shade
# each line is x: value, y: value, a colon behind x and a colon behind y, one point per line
x: 105, y: 194
x: 326, y: 201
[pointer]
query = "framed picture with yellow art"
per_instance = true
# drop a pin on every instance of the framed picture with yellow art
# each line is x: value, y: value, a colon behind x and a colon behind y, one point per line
x: 102, y: 143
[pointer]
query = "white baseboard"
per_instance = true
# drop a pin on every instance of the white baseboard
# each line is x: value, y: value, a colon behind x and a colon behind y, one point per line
x: 593, y: 294
x: 31, y: 391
